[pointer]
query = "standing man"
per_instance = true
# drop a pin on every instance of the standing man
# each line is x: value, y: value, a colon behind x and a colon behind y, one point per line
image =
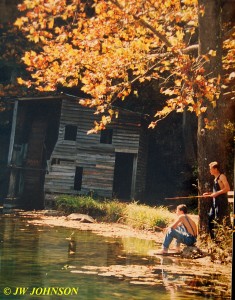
x: 219, y: 195
x: 184, y: 230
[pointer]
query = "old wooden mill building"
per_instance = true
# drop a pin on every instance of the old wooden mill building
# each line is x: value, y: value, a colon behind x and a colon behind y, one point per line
x: 50, y: 152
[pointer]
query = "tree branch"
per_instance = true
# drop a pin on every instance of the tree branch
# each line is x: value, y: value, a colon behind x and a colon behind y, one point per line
x: 228, y: 33
x: 145, y: 24
x: 190, y: 48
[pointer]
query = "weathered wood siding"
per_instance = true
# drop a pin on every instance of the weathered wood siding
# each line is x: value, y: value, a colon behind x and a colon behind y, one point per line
x: 98, y: 165
x: 141, y: 164
x: 126, y: 132
x: 96, y: 159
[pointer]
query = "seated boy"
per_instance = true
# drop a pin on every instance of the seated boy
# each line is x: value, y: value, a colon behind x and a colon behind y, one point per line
x: 183, y: 229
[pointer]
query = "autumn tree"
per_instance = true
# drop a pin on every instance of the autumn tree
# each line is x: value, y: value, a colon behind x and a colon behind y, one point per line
x: 212, y: 142
x: 110, y: 48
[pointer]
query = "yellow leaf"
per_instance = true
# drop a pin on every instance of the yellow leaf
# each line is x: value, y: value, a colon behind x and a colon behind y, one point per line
x: 231, y: 75
x: 111, y: 112
x: 104, y: 120
x: 205, y: 57
x: 136, y: 93
x: 36, y: 38
x: 165, y: 111
x: 190, y: 2
x: 178, y: 82
x: 199, y: 77
x: 180, y: 109
x: 51, y: 23
x: 213, y: 104
x: 192, y: 23
x: 20, y: 80
x: 224, y: 86
x: 203, y: 109
x: 19, y: 22
x: 179, y: 35
x: 85, y: 80
x: 27, y: 59
x: 209, y: 96
x: 212, y: 52
x: 42, y: 38
x: 152, y: 125
x: 168, y: 92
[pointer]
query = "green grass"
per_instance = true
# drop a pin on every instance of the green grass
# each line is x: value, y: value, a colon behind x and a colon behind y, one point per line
x: 146, y: 217
x: 81, y: 204
x: 136, y: 215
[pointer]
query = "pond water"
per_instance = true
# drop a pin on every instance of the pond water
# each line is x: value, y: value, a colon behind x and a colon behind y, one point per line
x: 35, y: 264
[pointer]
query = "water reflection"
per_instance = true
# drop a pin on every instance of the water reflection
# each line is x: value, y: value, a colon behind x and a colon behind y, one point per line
x: 99, y: 268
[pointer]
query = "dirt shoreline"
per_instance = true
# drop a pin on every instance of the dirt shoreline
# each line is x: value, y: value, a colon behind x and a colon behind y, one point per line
x: 45, y: 218
x: 51, y: 218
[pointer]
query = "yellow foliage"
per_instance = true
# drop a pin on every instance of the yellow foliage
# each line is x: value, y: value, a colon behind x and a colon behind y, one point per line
x: 121, y: 44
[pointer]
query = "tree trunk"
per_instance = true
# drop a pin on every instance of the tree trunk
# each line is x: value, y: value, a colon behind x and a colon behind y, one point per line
x: 211, y: 144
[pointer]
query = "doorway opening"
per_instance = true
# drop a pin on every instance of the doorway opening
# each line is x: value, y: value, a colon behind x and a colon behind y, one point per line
x: 123, y: 173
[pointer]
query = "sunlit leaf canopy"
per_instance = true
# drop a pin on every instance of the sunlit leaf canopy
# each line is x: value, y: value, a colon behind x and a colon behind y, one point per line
x: 109, y: 47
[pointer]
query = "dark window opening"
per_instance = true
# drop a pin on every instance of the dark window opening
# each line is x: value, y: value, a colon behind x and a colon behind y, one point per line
x: 78, y: 179
x: 106, y: 136
x: 55, y: 161
x: 70, y: 133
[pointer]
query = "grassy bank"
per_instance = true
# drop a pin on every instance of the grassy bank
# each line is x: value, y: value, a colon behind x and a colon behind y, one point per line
x: 133, y: 214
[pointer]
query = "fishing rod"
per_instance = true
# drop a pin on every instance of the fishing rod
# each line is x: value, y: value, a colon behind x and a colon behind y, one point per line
x: 187, y: 197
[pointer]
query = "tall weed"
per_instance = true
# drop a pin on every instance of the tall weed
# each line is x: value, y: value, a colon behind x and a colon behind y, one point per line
x: 146, y: 217
x: 220, y: 249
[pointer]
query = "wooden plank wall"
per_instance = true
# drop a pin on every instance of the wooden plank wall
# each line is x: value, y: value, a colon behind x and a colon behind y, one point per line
x: 126, y: 132
x: 141, y: 164
x: 98, y: 167
x: 96, y: 159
